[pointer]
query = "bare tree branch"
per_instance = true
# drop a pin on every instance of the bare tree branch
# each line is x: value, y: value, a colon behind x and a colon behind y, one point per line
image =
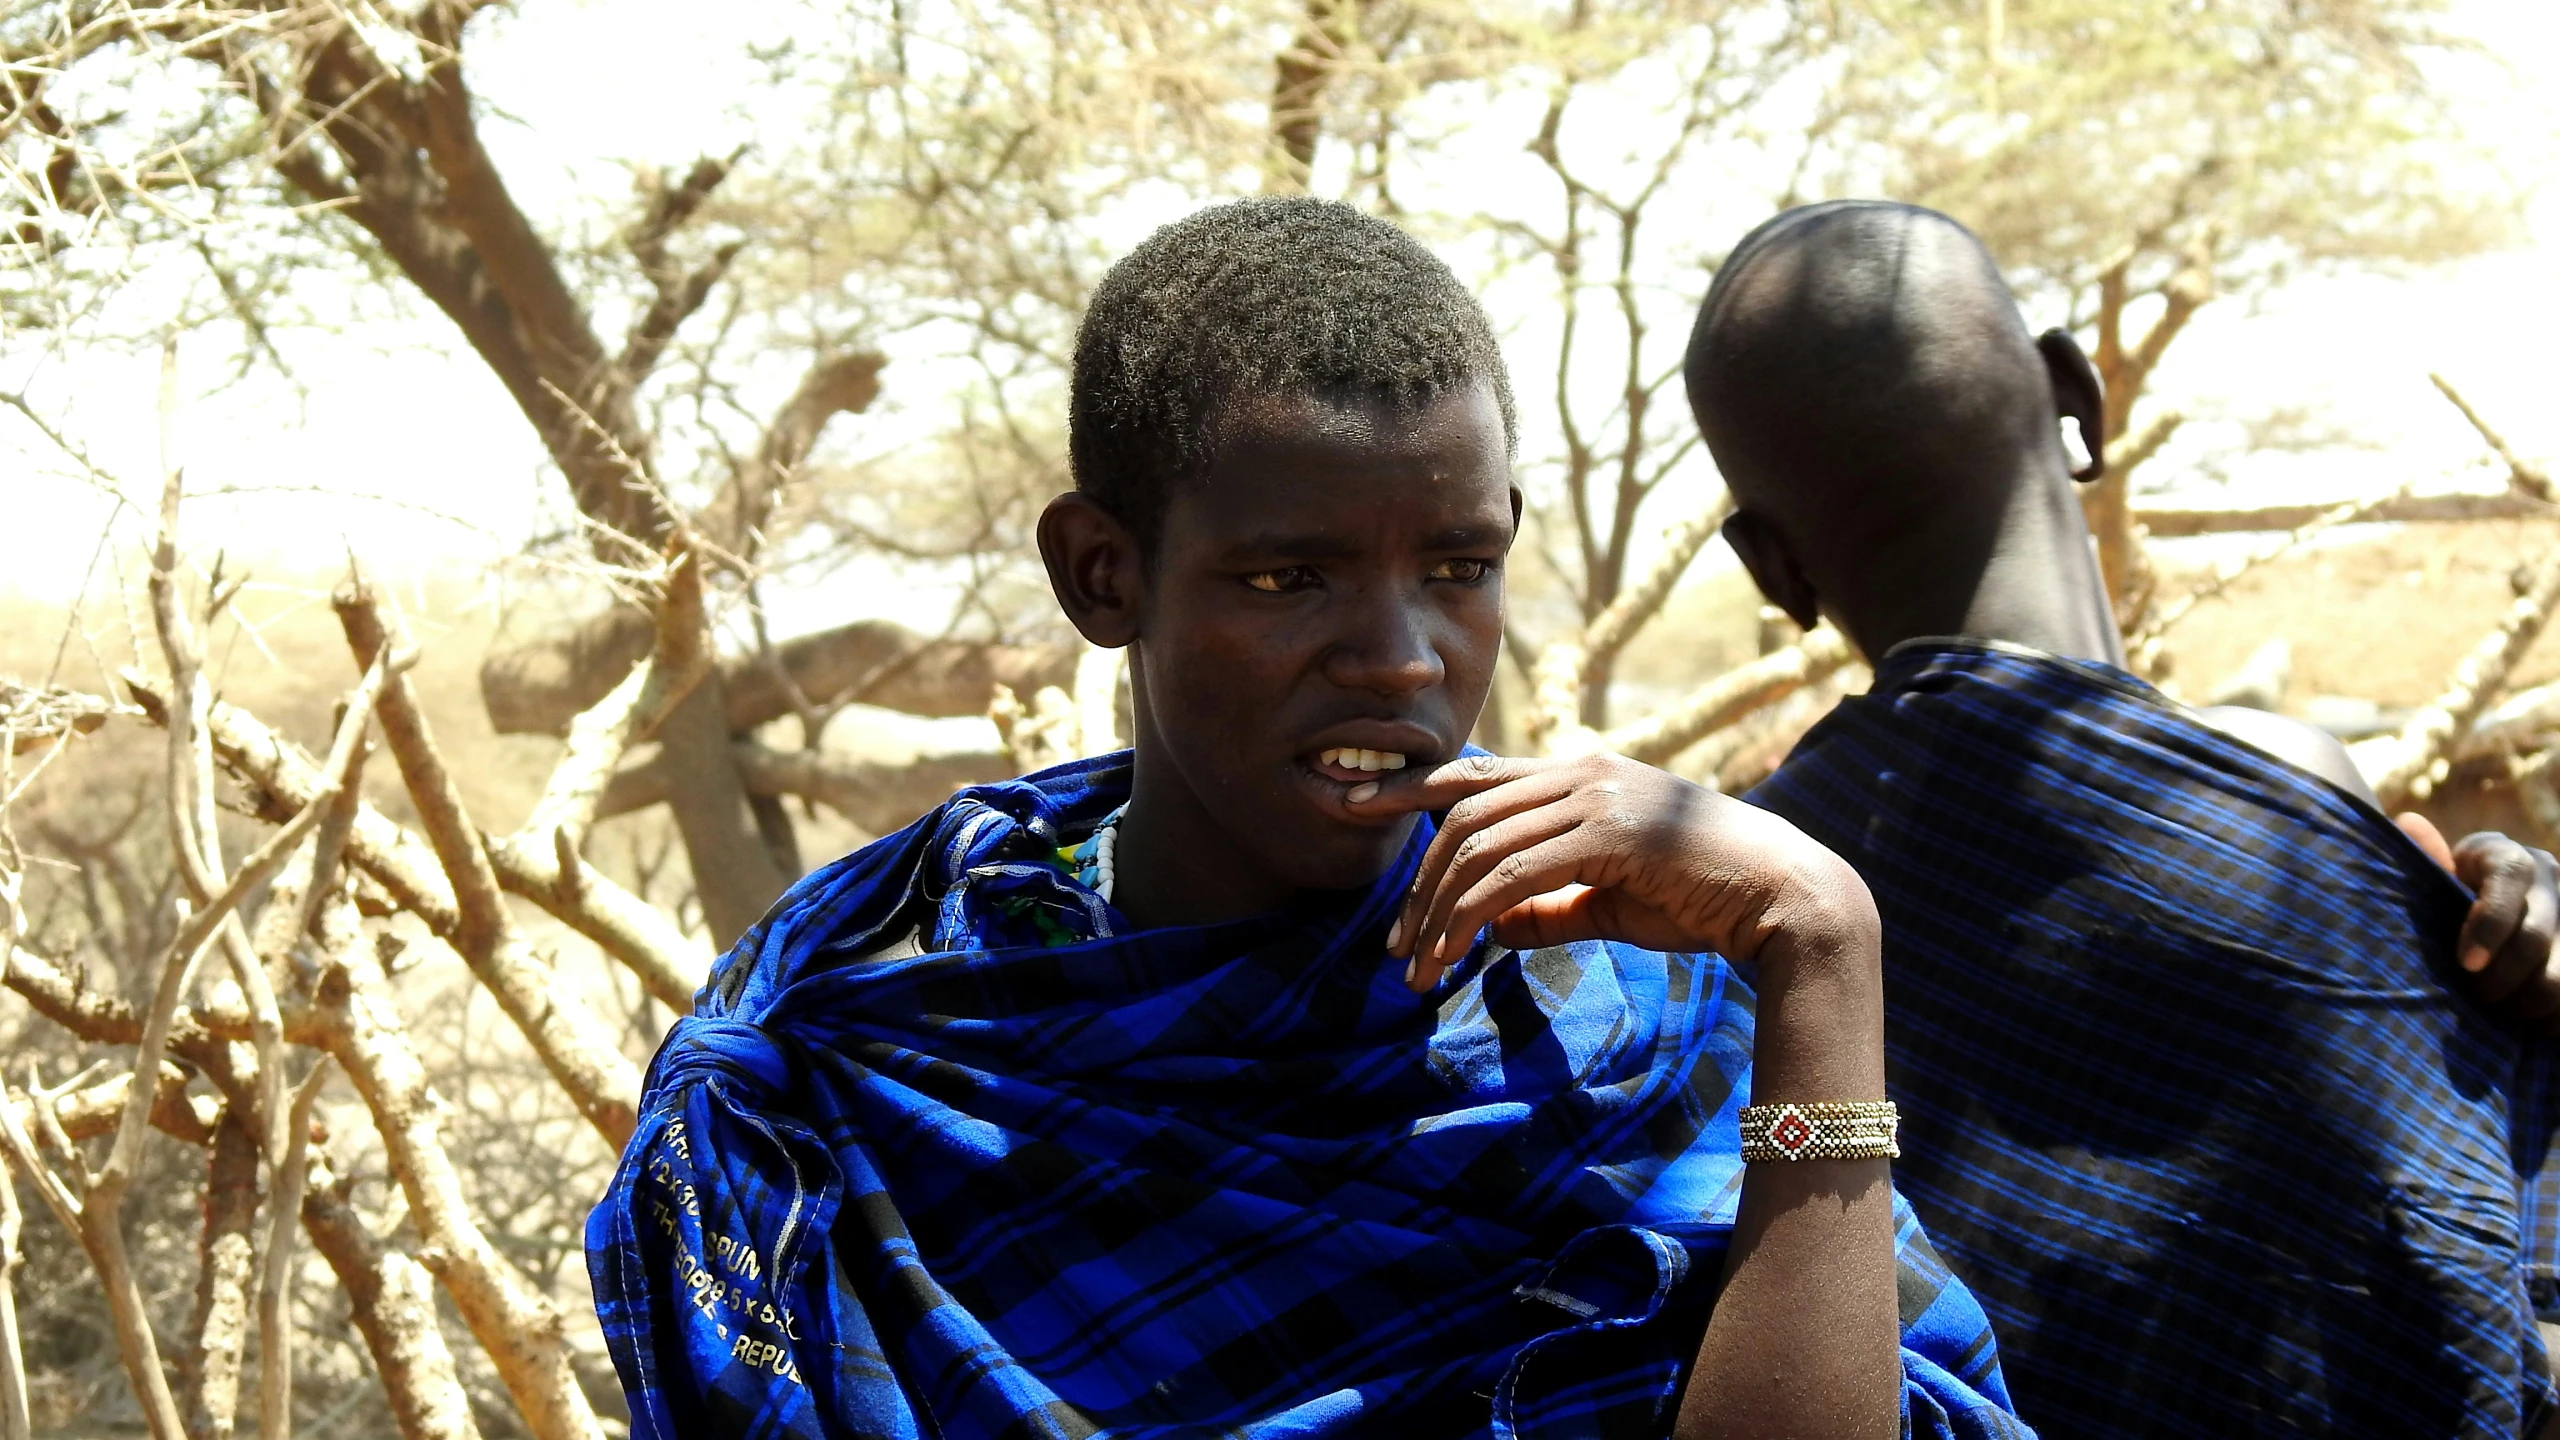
x: 1301, y: 75
x: 90, y: 1213
x: 519, y: 1326
x: 103, y: 1018
x: 634, y: 708
x: 1731, y: 696
x: 2414, y: 509
x: 2108, y: 503
x: 225, y: 1251
x: 2127, y: 453
x: 2225, y: 574
x: 275, y: 1294
x: 880, y: 796
x: 94, y: 1110
x: 2407, y: 766
x: 2522, y: 475
x: 15, y: 1421
x: 540, y: 687
x: 836, y: 385
x: 679, y: 292
x: 102, y: 1196
x: 625, y: 926
x: 41, y: 715
x: 1566, y: 667
x: 395, y: 1312
x: 573, y: 1045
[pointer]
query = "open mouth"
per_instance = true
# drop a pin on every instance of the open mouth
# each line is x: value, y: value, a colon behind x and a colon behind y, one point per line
x: 1362, y: 754
x: 1351, y: 765
x: 1330, y: 775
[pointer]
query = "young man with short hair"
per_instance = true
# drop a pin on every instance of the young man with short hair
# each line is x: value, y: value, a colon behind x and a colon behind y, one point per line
x: 2196, y: 1095
x: 1174, y: 1093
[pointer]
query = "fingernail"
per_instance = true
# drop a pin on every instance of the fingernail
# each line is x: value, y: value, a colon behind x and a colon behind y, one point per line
x: 1362, y: 791
x: 1408, y: 971
x: 2476, y: 957
x: 1395, y: 935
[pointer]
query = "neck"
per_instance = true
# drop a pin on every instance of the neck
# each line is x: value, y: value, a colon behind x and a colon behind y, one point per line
x: 1173, y: 863
x: 2035, y: 583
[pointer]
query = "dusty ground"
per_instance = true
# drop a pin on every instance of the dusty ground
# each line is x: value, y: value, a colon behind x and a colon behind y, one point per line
x: 2381, y: 613
x: 2387, y: 615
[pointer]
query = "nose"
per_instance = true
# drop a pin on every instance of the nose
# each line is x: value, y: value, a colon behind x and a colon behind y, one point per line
x: 1385, y: 643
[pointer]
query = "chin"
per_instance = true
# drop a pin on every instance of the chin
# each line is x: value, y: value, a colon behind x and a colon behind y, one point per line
x: 1336, y: 856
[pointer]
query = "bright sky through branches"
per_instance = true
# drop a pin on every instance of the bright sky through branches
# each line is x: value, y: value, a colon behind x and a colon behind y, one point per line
x: 585, y: 91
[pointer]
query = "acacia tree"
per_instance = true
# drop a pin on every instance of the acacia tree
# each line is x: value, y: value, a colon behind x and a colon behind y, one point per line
x: 2134, y: 160
x: 332, y: 143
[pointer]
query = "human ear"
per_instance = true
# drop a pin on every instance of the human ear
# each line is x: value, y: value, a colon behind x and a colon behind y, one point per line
x: 1094, y: 569
x: 1764, y: 552
x: 2078, y: 393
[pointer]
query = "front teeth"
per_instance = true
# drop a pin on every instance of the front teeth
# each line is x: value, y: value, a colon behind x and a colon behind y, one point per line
x: 1353, y: 759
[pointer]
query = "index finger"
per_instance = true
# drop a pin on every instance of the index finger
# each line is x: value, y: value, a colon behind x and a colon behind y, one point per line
x: 1439, y: 786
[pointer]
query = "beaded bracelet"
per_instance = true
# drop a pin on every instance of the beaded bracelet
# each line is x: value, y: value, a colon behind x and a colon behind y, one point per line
x: 1821, y: 1130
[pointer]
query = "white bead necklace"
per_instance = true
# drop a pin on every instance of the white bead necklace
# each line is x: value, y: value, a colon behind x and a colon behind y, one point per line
x: 1106, y: 845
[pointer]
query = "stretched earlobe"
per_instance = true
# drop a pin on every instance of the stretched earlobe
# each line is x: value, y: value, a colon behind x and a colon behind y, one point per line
x: 2079, y: 394
x: 1095, y: 569
x: 1764, y: 553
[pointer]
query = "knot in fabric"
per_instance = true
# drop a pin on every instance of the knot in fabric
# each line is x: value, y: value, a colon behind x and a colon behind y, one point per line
x: 994, y: 876
x: 705, y: 1048
x: 990, y: 826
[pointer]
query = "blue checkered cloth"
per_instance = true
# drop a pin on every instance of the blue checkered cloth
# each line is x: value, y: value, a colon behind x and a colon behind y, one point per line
x: 2185, y: 1096
x: 1047, y: 1177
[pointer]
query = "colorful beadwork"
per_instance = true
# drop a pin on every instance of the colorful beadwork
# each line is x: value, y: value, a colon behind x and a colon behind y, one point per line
x: 1092, y: 859
x: 1821, y: 1130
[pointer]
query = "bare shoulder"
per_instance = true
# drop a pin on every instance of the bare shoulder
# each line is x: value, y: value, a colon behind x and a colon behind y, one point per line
x: 2292, y: 741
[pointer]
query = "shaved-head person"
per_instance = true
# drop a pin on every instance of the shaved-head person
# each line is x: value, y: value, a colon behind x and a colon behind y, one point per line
x: 2207, y: 1069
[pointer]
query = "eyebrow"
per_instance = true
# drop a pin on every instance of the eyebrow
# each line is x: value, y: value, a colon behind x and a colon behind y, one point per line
x: 1320, y: 546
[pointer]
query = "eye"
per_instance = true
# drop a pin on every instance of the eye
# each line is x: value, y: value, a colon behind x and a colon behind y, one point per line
x: 1284, y: 580
x: 1464, y: 572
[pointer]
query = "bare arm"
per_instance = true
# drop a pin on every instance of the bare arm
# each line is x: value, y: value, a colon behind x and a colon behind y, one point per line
x: 1804, y: 1340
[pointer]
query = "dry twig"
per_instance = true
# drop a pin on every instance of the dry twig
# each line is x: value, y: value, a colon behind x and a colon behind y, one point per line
x: 2406, y: 767
x: 2229, y: 572
x: 1565, y: 668
x: 519, y: 1326
x: 1732, y: 695
x: 394, y: 1309
x: 275, y: 1295
x: 2522, y: 476
x: 572, y: 1044
x: 282, y: 777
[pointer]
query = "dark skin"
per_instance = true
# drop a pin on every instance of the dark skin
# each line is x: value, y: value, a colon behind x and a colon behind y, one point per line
x: 1333, y: 582
x: 2025, y: 575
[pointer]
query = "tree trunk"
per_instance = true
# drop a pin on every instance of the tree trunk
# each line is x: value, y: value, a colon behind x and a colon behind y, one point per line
x: 733, y: 870
x: 539, y: 687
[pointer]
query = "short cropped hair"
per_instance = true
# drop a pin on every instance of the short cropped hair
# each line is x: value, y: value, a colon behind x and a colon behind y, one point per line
x: 1264, y: 297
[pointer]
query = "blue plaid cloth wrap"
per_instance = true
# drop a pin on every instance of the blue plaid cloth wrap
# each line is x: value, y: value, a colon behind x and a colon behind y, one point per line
x: 1228, y: 1181
x: 2185, y: 1095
